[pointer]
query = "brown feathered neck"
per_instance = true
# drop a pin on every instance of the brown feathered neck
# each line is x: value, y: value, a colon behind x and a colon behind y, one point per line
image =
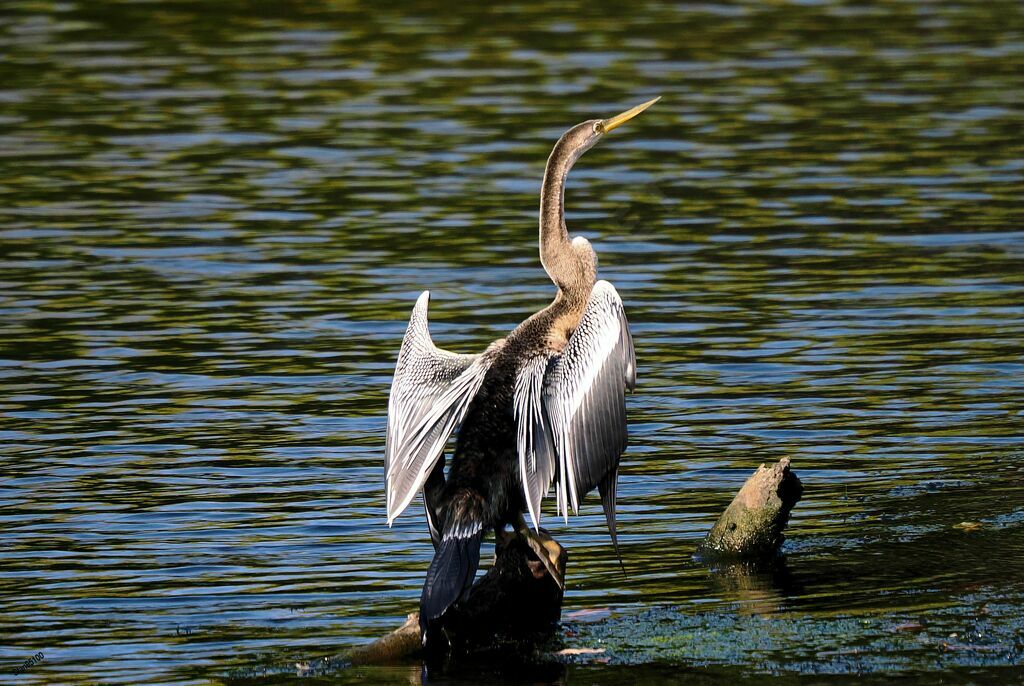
x: 566, y: 265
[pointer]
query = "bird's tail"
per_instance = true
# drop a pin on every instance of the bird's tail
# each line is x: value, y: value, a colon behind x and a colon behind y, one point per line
x: 607, y: 489
x: 450, y: 574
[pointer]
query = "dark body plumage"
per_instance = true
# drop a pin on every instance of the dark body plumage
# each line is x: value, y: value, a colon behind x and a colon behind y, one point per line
x: 483, y: 481
x: 483, y: 489
x: 544, y: 406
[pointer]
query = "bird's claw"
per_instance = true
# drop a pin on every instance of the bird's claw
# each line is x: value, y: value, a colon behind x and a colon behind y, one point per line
x: 547, y: 551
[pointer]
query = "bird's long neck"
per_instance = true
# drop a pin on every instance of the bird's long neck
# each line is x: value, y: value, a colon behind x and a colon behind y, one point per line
x: 556, y: 253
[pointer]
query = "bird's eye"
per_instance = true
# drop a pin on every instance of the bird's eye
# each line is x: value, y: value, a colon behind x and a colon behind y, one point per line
x: 598, y: 127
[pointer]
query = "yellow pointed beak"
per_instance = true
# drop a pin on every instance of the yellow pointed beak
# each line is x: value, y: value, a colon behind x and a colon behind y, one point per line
x: 620, y: 119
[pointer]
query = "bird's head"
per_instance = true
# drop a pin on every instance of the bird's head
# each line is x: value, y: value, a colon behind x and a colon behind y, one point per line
x: 582, y: 137
x: 571, y: 265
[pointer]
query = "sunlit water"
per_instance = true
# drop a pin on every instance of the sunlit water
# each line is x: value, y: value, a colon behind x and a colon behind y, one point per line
x: 215, y: 219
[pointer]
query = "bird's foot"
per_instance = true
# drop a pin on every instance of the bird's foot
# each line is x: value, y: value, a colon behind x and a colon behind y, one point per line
x: 547, y: 550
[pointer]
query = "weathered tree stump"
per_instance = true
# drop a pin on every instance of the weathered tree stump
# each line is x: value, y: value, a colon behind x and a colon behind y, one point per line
x: 752, y: 525
x: 515, y: 601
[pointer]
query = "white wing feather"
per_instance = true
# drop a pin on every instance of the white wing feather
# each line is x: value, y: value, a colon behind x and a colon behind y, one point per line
x: 430, y: 394
x: 570, y: 409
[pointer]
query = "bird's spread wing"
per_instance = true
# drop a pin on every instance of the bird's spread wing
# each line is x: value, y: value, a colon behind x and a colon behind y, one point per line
x: 430, y: 394
x: 535, y: 439
x: 570, y: 410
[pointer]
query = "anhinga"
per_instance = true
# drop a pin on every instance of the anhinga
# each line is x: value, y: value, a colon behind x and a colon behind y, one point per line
x: 543, y: 406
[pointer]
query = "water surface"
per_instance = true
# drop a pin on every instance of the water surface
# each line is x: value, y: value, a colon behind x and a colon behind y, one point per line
x: 215, y: 219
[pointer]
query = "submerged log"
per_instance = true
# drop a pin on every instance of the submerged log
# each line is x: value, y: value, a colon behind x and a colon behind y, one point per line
x: 516, y: 600
x: 752, y: 525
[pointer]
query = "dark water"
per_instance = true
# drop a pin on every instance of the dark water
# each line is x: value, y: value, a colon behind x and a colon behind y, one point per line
x: 215, y: 218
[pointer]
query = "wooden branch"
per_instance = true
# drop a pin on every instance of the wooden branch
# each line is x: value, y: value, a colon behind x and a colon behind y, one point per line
x: 401, y: 643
